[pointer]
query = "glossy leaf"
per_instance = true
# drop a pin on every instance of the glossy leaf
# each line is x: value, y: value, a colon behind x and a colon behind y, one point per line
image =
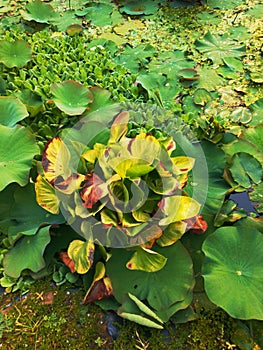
x: 46, y: 196
x: 55, y: 160
x: 233, y: 271
x: 146, y: 260
x: 100, y: 287
x: 71, y: 97
x: 14, y: 54
x: 12, y: 110
x: 216, y: 48
x: 144, y: 308
x: 172, y: 234
x: 177, y: 208
x: 246, y: 169
x: 39, y: 12
x: 163, y: 290
x: 27, y: 253
x: 140, y: 320
x: 82, y: 254
x: 148, y: 7
x: 17, y: 149
x: 26, y: 216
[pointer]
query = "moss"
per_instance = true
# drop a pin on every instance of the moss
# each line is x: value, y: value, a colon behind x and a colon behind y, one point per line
x: 53, y: 317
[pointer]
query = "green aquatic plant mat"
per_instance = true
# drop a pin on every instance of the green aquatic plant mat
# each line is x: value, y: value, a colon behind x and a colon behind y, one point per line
x: 17, y: 149
x: 12, y: 110
x: 14, y: 54
x: 233, y: 271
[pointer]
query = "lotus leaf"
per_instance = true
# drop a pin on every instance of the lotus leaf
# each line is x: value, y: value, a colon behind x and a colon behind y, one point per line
x: 148, y: 7
x: 169, y: 63
x: 162, y: 289
x: 224, y: 5
x: 158, y: 87
x: 28, y: 215
x: 27, y: 253
x: 14, y: 54
x: 256, y: 196
x: 32, y: 101
x: 209, y: 79
x: 217, y: 48
x: 245, y: 169
x: 38, y: 11
x: 256, y: 11
x: 242, y: 115
x: 12, y: 110
x: 132, y: 57
x: 99, y: 14
x: 257, y: 112
x: 17, y: 149
x: 67, y: 19
x: 232, y: 271
x: 71, y: 97
x: 202, y: 96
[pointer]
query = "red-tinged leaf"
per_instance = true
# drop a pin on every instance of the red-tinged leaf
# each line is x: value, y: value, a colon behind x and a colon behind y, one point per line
x: 148, y: 236
x: 67, y: 261
x: 93, y: 190
x: 196, y: 224
x: 101, y: 289
x: 82, y: 253
x: 46, y: 196
x: 71, y: 184
x: 119, y: 127
x: 55, y: 160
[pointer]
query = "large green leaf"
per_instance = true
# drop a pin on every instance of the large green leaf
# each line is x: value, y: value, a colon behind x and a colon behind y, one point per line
x: 14, y: 54
x: 17, y: 149
x: 209, y: 79
x: 217, y: 47
x: 245, y: 169
x: 12, y: 110
x: 257, y: 112
x: 27, y: 253
x: 99, y: 14
x: 146, y: 7
x: 162, y: 289
x: 233, y: 271
x: 38, y: 11
x: 223, y: 4
x: 25, y: 216
x: 71, y: 97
